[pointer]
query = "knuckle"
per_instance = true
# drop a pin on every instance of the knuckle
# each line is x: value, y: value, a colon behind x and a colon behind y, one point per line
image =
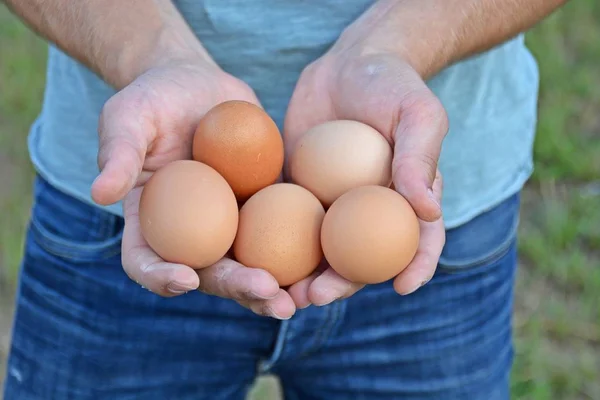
x: 429, y: 162
x: 143, y: 281
x: 222, y: 281
x: 216, y: 280
x: 112, y: 106
x: 241, y: 293
x: 146, y: 270
x: 131, y: 108
x: 426, y: 109
x: 260, y: 308
x: 409, y: 166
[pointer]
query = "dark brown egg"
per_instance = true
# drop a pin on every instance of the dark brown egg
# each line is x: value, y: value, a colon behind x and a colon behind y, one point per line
x: 241, y: 141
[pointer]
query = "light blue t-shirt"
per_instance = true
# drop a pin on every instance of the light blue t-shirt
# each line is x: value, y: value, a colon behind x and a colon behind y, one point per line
x: 491, y: 99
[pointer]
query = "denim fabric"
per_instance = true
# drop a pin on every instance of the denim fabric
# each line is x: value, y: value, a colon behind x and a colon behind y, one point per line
x: 84, y: 330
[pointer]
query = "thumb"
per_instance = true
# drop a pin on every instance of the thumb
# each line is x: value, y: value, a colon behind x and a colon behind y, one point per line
x: 423, y: 124
x: 124, y: 135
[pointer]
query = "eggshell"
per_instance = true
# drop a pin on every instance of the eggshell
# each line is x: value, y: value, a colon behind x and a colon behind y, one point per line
x: 370, y: 234
x: 336, y: 156
x: 242, y: 142
x: 279, y: 231
x: 188, y: 214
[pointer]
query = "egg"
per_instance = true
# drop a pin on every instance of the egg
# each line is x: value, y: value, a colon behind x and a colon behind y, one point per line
x: 188, y: 214
x: 241, y: 142
x: 336, y: 156
x: 370, y: 234
x: 279, y: 231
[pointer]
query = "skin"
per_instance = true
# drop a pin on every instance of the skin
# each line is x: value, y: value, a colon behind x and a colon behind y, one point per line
x: 374, y: 73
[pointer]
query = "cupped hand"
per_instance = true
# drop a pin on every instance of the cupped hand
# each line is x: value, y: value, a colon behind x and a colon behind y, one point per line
x: 385, y: 92
x: 143, y: 127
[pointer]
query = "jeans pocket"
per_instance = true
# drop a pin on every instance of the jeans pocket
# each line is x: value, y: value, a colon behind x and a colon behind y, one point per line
x: 71, y: 229
x: 483, y: 240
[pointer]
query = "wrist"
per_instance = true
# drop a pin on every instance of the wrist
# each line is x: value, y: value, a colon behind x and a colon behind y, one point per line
x: 422, y: 56
x: 165, y: 47
x: 398, y: 29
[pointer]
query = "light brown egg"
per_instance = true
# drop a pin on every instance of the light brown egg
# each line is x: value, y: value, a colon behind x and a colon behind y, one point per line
x: 188, y: 214
x: 242, y: 142
x: 279, y: 231
x: 370, y: 234
x: 337, y: 156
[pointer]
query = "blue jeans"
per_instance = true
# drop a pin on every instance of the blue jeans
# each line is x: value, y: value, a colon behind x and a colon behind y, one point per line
x: 84, y: 330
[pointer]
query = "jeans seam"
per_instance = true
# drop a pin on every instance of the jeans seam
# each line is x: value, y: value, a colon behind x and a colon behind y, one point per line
x: 57, y: 247
x: 280, y: 343
x: 82, y: 248
x: 492, y: 257
x: 333, y: 316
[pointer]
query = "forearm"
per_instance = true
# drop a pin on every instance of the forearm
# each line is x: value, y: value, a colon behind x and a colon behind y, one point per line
x: 117, y: 39
x: 432, y: 34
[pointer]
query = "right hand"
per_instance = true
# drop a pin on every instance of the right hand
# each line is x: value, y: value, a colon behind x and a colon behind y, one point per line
x: 143, y: 127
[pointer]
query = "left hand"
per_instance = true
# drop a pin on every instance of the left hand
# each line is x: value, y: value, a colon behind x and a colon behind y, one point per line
x: 382, y: 90
x: 147, y: 125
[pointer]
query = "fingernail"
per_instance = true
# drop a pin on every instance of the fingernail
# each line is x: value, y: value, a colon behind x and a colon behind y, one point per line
x: 183, y: 280
x: 178, y: 288
x: 416, y: 288
x: 273, y: 314
x: 262, y: 296
x: 326, y: 302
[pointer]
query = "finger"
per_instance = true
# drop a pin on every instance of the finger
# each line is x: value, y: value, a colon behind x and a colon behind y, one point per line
x: 330, y: 286
x: 124, y: 136
x: 424, y: 264
x: 280, y: 307
x: 422, y: 126
x: 299, y: 290
x: 230, y: 279
x: 143, y: 265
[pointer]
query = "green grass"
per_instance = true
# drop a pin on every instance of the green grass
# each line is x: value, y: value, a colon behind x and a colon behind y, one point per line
x: 558, y: 293
x: 567, y: 48
x: 557, y: 330
x: 557, y: 313
x: 22, y: 62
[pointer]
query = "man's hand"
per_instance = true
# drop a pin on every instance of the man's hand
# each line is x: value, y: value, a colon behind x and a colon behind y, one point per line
x: 385, y: 92
x: 375, y: 74
x: 147, y: 125
x: 167, y: 82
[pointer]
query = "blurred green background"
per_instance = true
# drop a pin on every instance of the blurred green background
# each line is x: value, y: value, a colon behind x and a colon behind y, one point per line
x: 557, y: 314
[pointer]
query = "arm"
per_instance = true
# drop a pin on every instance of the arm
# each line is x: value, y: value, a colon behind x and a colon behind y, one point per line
x: 119, y: 40
x: 432, y: 34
